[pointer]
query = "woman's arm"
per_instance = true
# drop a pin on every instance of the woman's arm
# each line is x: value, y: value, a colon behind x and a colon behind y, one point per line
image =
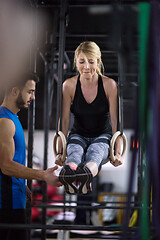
x: 110, y: 87
x: 66, y: 104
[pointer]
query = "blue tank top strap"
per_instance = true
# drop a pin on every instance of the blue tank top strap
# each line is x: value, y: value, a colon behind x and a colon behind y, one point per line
x: 13, y: 190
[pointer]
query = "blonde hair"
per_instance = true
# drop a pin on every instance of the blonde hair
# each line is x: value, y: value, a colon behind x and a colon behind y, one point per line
x: 92, y: 49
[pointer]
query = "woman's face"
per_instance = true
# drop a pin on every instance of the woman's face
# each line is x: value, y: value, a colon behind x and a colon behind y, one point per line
x: 86, y: 65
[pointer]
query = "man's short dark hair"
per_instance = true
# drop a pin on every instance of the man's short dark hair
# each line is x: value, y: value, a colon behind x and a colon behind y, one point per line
x: 21, y: 80
x: 27, y: 76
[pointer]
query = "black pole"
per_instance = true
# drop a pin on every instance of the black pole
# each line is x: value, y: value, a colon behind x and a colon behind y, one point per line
x: 62, y: 33
x: 62, y: 36
x: 45, y: 159
x: 31, y: 121
x: 52, y: 70
x: 47, y: 115
x: 121, y: 80
x: 31, y: 126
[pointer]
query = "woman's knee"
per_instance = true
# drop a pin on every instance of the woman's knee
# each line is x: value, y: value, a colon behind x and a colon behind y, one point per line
x: 75, y: 149
x: 99, y: 148
x: 75, y: 153
x: 97, y: 152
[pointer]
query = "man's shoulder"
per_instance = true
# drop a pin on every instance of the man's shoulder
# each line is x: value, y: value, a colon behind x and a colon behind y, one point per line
x: 7, y: 126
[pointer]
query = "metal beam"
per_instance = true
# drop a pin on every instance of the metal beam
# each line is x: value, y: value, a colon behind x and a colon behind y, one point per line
x: 62, y: 33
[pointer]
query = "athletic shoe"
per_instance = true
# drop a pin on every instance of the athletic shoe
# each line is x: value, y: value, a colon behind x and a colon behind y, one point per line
x: 67, y: 176
x: 84, y: 177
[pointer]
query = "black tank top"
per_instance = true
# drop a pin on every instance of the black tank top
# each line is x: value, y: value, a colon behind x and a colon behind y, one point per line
x: 91, y: 119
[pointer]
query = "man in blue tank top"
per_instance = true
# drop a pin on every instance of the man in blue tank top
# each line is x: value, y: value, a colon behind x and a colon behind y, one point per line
x: 13, y: 156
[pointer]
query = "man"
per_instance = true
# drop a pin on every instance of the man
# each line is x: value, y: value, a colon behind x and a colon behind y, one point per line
x: 12, y: 157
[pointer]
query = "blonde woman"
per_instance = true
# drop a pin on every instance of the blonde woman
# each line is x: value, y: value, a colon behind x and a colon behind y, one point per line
x: 92, y: 98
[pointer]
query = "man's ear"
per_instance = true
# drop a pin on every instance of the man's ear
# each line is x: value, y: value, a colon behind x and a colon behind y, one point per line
x: 15, y: 91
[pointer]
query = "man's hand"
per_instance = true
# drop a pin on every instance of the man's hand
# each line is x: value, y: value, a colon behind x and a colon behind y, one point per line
x: 58, y: 160
x: 29, y: 194
x: 118, y: 160
x: 51, y: 178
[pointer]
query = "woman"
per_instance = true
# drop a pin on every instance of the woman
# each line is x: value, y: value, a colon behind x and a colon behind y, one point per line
x: 92, y: 98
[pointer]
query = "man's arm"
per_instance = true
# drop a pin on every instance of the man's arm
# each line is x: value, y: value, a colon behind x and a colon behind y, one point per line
x: 14, y: 169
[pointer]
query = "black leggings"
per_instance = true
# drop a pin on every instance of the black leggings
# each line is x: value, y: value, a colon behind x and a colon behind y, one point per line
x: 13, y: 216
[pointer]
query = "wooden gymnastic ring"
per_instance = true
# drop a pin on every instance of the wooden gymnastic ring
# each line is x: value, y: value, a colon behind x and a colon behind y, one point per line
x: 63, y: 139
x: 112, y: 143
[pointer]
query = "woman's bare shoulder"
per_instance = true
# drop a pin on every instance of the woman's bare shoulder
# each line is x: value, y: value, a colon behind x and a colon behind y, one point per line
x: 110, y: 85
x: 70, y: 82
x: 69, y: 86
x: 109, y: 82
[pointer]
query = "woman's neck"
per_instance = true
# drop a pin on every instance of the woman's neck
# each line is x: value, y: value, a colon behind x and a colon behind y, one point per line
x: 89, y: 81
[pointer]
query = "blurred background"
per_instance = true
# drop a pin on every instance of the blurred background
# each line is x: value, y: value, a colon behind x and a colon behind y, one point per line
x: 32, y: 27
x: 32, y: 35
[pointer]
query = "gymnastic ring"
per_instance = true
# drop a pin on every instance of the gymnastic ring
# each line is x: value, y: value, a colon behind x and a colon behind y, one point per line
x: 112, y: 143
x: 63, y: 139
